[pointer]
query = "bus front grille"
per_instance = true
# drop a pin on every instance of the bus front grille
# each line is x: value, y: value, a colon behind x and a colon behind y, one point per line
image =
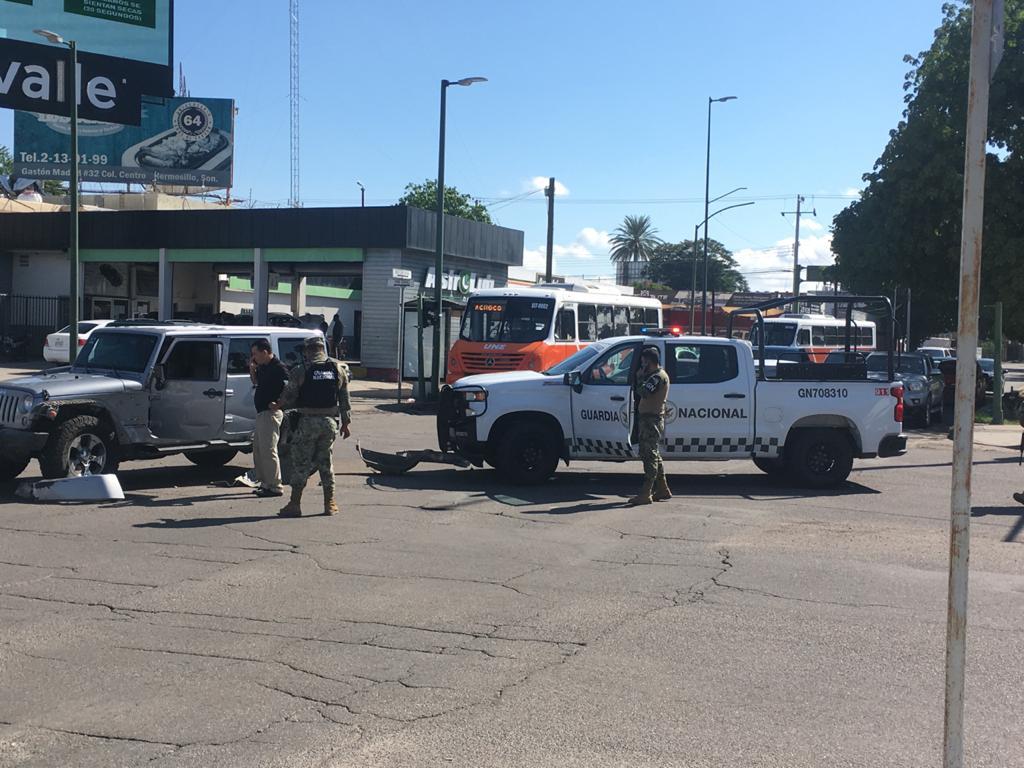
x: 478, y: 362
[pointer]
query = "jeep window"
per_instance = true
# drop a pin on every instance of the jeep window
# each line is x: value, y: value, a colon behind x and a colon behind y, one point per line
x: 128, y: 352
x: 516, y: 319
x: 194, y: 361
x: 239, y: 355
x: 289, y: 349
x: 575, y: 362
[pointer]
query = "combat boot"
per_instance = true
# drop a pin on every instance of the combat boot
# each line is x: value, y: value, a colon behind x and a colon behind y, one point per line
x: 293, y: 508
x: 330, y: 505
x: 644, y: 497
x: 661, y: 491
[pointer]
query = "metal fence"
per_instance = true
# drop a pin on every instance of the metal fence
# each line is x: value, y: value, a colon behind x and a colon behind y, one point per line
x: 28, y: 319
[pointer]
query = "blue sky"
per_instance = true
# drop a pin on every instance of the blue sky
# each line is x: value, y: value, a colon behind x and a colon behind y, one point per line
x: 609, y: 98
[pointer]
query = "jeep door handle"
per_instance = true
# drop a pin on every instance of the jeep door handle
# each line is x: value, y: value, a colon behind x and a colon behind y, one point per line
x: 734, y: 395
x: 211, y: 392
x: 618, y: 398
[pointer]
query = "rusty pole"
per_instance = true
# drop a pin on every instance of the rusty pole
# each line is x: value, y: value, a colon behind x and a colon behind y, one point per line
x: 963, y: 420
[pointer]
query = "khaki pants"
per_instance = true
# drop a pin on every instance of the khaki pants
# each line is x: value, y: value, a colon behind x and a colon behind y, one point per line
x: 264, y: 449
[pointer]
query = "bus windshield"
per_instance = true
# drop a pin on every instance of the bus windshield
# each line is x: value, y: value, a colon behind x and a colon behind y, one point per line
x: 517, y: 319
x: 776, y: 334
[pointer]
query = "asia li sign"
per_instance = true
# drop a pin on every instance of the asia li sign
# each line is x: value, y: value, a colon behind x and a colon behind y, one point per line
x: 462, y: 283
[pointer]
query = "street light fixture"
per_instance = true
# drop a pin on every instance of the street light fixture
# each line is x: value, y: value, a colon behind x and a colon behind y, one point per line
x: 696, y: 230
x: 73, y: 256
x: 707, y: 202
x: 362, y: 194
x: 439, y: 352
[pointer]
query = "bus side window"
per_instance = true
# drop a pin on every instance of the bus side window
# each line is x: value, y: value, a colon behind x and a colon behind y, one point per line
x: 803, y: 338
x: 651, y: 319
x: 818, y: 336
x: 588, y: 322
x: 621, y: 316
x: 636, y: 321
x: 565, y: 324
x: 605, y: 322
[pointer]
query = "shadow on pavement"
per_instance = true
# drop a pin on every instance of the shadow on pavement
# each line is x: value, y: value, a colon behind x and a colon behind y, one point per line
x: 567, y: 487
x: 168, y: 523
x: 1007, y: 511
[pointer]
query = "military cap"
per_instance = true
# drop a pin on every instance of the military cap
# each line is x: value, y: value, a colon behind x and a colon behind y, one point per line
x: 312, y: 342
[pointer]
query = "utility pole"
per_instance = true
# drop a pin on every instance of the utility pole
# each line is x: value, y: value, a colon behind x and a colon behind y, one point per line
x: 550, y: 193
x: 908, y: 320
x: 796, y: 248
x: 693, y: 278
x: 997, y: 365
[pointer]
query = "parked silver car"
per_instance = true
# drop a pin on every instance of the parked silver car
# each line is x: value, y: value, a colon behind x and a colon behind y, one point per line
x: 139, y: 390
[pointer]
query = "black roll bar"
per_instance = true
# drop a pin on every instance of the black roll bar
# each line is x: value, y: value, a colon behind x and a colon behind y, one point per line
x: 850, y: 300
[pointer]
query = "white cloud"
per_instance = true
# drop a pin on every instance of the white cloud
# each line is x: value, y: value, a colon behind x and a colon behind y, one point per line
x: 810, y: 224
x: 541, y: 182
x: 590, y: 244
x: 852, y: 191
x: 772, y: 269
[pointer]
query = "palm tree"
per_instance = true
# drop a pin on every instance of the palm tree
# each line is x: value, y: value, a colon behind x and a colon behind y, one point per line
x: 634, y: 240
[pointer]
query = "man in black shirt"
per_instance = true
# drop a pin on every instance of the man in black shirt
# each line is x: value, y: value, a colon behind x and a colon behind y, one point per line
x: 269, y: 375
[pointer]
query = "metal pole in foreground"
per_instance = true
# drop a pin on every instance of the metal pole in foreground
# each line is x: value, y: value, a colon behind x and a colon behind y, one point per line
x: 707, y: 191
x: 401, y: 339
x: 435, y: 356
x: 73, y: 207
x: 549, y: 261
x: 963, y: 419
x: 997, y: 365
x: 693, y: 279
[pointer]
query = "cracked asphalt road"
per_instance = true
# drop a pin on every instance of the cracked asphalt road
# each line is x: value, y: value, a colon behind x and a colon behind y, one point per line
x: 444, y: 619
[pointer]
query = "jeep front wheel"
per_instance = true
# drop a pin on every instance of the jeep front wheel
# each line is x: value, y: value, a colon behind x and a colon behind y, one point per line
x: 11, y: 468
x: 527, y: 454
x: 79, y: 447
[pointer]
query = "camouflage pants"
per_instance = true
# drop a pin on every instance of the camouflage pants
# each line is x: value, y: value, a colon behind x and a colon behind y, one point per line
x: 651, y: 430
x: 311, y: 449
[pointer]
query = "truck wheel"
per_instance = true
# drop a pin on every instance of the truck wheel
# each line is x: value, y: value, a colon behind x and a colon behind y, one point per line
x: 770, y: 466
x: 11, y: 468
x: 211, y: 459
x: 819, y: 458
x: 527, y: 454
x: 80, y: 446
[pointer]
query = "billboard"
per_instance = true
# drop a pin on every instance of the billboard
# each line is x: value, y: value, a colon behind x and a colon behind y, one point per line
x: 182, y: 141
x: 139, y: 30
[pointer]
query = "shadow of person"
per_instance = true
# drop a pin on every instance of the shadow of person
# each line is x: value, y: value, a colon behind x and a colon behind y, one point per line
x: 167, y: 523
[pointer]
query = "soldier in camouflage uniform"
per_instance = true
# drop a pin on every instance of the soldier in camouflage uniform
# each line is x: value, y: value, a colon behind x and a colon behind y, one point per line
x: 318, y: 389
x: 650, y: 393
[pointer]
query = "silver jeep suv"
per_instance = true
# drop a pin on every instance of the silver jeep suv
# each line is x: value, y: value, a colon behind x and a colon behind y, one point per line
x: 139, y: 390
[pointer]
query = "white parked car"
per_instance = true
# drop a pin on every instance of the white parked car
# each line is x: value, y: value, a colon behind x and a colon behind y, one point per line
x: 55, y: 349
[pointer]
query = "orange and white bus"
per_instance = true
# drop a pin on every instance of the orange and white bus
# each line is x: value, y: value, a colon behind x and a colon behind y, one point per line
x: 817, y: 335
x: 532, y: 329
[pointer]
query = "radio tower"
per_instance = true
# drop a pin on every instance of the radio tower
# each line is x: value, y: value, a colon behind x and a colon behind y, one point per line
x: 293, y: 96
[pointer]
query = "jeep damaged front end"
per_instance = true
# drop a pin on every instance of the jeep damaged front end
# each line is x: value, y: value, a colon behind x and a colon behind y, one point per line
x: 457, y: 414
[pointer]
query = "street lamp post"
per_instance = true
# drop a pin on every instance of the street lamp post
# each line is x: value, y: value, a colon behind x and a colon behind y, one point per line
x: 439, y: 351
x: 707, y: 189
x: 693, y: 272
x: 362, y: 194
x: 72, y: 79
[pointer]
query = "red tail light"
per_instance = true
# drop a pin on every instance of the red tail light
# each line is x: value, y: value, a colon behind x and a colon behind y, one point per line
x: 81, y: 342
x: 897, y: 412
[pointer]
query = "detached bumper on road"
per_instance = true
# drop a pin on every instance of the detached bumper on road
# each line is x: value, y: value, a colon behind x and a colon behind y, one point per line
x: 20, y: 442
x: 892, y: 445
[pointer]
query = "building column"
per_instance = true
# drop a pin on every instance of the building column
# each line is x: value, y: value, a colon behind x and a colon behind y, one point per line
x: 165, y: 290
x: 260, y: 288
x: 298, y: 295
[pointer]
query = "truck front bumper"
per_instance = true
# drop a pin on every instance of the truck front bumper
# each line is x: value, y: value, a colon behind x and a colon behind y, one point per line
x: 892, y: 445
x: 21, y: 442
x: 456, y: 433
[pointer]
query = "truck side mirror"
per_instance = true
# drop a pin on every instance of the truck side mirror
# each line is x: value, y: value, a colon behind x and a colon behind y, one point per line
x: 575, y: 380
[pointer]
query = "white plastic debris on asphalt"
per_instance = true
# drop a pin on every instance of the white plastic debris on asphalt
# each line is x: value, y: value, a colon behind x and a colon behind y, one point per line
x: 88, y: 488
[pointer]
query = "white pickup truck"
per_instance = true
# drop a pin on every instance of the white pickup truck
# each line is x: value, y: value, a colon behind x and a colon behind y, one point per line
x: 718, y: 408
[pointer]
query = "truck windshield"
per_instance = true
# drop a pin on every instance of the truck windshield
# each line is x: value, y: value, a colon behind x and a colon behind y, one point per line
x: 116, y: 351
x: 580, y: 359
x: 775, y: 334
x: 517, y: 319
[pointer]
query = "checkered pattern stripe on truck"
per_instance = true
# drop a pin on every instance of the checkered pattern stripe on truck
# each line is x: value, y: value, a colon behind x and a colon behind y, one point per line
x: 601, y: 447
x: 759, y: 446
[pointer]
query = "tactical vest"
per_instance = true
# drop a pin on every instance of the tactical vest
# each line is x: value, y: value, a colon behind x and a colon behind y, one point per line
x: 320, y: 387
x: 653, y: 392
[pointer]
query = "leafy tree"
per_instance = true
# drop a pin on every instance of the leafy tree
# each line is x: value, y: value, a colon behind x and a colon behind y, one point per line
x: 634, y: 240
x: 905, y: 228
x: 455, y: 203
x: 672, y: 264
